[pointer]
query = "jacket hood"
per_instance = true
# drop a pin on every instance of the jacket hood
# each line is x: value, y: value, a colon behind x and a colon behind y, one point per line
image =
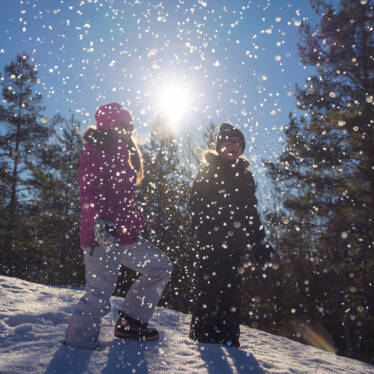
x: 213, y: 158
x: 112, y: 116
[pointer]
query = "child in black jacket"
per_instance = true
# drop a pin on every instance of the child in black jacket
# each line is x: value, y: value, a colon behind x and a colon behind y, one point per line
x: 226, y: 222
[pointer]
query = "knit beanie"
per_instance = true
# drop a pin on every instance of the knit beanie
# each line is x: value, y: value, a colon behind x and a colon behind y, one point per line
x: 114, y: 115
x: 226, y: 131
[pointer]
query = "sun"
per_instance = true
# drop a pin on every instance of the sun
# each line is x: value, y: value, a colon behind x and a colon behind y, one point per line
x: 174, y: 99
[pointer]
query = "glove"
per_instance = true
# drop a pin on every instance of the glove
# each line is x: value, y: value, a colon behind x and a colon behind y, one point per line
x: 105, y: 234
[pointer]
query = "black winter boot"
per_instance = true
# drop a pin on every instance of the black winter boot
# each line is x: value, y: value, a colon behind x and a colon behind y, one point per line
x: 130, y: 328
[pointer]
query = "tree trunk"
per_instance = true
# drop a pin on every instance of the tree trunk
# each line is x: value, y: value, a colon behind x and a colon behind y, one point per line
x: 11, y: 214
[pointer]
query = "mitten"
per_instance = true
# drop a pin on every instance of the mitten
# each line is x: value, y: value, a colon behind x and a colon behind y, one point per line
x: 105, y: 234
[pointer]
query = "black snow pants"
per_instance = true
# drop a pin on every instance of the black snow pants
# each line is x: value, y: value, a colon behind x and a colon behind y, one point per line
x: 216, y: 313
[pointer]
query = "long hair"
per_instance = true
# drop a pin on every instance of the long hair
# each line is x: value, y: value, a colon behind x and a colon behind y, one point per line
x: 135, y: 159
x: 106, y: 140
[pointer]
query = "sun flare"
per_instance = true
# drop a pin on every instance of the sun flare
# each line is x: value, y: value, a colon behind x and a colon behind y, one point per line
x: 174, y: 100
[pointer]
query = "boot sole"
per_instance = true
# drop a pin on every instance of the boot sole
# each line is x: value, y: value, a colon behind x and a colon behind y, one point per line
x: 135, y: 337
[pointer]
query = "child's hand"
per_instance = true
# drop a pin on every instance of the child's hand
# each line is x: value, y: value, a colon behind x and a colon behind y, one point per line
x: 105, y: 234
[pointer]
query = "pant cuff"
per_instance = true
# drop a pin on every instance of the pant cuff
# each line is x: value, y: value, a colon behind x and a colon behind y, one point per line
x: 131, y: 319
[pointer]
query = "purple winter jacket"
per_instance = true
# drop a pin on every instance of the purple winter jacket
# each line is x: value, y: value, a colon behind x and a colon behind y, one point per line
x: 107, y: 182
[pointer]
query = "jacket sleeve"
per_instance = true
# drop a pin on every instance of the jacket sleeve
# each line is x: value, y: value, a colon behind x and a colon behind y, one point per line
x: 196, y: 207
x: 255, y: 232
x: 92, y: 169
x: 92, y: 175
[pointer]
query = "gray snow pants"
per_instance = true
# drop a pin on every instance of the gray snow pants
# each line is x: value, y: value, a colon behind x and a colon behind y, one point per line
x: 101, y: 275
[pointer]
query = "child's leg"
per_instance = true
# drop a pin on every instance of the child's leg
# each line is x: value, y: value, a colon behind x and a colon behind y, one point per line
x: 146, y: 291
x: 216, y: 314
x: 101, y: 276
x: 229, y: 311
x: 205, y: 320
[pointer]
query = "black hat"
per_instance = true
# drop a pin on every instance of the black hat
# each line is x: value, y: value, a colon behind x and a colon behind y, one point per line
x: 226, y: 131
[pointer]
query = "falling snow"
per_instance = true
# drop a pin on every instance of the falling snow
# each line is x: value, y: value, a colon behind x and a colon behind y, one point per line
x: 179, y: 66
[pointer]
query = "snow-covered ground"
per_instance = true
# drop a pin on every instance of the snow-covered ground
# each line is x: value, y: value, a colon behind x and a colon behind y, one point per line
x: 33, y: 319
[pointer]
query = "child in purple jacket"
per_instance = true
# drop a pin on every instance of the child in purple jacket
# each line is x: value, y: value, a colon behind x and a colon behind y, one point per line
x: 110, y: 167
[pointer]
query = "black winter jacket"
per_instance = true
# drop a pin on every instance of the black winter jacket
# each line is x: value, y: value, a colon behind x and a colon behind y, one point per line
x: 223, y: 206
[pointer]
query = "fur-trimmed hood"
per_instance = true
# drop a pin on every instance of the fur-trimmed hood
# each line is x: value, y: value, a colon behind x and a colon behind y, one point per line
x: 213, y: 158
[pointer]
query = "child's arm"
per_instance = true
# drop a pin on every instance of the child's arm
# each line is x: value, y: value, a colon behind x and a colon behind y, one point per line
x: 197, y: 205
x: 92, y: 169
x: 92, y: 175
x: 194, y: 203
x: 254, y: 228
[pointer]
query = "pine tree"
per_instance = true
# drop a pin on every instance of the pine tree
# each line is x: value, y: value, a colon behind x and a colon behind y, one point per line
x: 162, y: 193
x: 4, y: 192
x: 209, y: 135
x: 327, y: 175
x: 24, y: 132
x: 56, y: 215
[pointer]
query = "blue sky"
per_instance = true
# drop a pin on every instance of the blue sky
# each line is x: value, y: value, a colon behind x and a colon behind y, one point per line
x: 237, y: 60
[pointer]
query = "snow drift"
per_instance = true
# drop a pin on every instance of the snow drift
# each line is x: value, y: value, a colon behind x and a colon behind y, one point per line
x: 33, y: 319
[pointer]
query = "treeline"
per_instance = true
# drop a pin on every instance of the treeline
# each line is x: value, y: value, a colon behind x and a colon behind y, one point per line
x: 318, y: 212
x: 321, y: 214
x: 39, y: 192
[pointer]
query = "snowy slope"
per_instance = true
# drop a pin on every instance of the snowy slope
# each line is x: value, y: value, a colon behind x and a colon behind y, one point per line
x: 33, y: 319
